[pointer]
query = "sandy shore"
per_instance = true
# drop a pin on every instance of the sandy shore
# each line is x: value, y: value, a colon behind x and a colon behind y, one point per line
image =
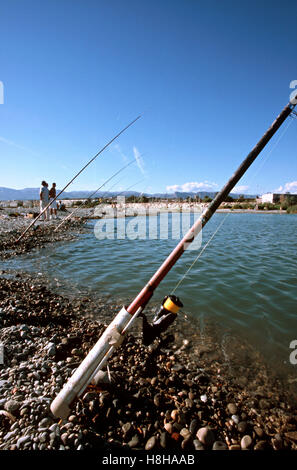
x: 191, y: 390
x: 122, y: 210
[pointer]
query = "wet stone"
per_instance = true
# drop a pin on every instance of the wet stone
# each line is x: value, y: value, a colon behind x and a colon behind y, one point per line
x: 127, y: 428
x: 12, y: 406
x: 157, y: 400
x: 246, y: 442
x: 174, y: 415
x: 259, y: 431
x: 198, y: 445
x: 185, y: 433
x: 261, y: 445
x: 151, y: 443
x: 164, y: 440
x: 232, y: 408
x: 187, y: 443
x: 206, y: 436
x: 43, y: 437
x: 45, y: 422
x: 168, y: 427
x: 134, y: 442
x: 235, y: 419
x: 193, y: 426
x: 242, y: 427
x: 219, y: 445
x: 277, y: 444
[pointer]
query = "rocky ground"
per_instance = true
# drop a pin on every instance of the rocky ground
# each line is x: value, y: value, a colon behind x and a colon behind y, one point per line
x: 39, y: 235
x: 192, y: 390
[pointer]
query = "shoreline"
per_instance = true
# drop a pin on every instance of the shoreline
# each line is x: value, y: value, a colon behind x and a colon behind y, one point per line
x: 104, y: 211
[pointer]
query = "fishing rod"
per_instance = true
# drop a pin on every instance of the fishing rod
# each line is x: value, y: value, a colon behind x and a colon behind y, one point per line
x: 114, y: 334
x: 77, y: 174
x: 104, y: 194
x: 107, y: 181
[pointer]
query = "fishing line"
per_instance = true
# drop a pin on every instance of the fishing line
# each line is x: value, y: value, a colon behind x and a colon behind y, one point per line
x: 200, y: 253
x: 271, y: 150
x: 77, y: 174
x: 224, y: 219
x: 91, y: 195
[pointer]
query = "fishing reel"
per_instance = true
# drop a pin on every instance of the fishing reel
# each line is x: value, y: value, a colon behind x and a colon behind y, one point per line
x: 164, y: 317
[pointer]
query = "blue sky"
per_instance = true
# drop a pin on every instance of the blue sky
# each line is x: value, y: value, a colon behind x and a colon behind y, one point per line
x: 208, y: 77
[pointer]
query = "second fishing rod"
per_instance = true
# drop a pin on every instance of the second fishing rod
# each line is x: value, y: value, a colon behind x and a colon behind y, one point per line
x: 93, y: 194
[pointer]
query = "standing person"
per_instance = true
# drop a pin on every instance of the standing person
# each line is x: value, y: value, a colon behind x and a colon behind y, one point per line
x: 53, y: 206
x: 44, y: 199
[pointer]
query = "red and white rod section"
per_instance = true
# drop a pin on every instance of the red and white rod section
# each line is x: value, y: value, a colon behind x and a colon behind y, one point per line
x: 112, y: 336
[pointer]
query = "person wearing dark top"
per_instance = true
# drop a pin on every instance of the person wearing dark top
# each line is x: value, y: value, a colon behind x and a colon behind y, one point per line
x: 53, y: 206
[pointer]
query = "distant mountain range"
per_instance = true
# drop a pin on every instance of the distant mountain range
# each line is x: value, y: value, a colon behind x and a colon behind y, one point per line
x: 9, y: 194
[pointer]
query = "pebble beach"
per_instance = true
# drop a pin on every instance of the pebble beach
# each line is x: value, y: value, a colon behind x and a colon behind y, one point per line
x: 187, y: 391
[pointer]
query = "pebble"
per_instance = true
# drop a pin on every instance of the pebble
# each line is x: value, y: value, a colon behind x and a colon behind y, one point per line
x: 232, y: 409
x: 43, y: 437
x: 219, y: 445
x: 277, y: 444
x: 127, y: 429
x: 168, y: 427
x: 174, y: 415
x: 185, y: 433
x: 64, y: 438
x: 246, y: 442
x: 134, y: 442
x: 9, y: 435
x: 198, y: 445
x: 206, y: 436
x: 193, y: 426
x: 203, y: 398
x: 157, y: 399
x: 164, y: 440
x: 45, y: 422
x: 55, y: 428
x: 242, y: 427
x: 12, y: 406
x: 187, y: 443
x: 151, y: 443
x: 261, y: 445
x: 22, y: 439
x: 259, y: 431
x: 235, y: 419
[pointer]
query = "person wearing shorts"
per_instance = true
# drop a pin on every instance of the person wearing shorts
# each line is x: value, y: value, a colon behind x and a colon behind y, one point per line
x: 53, y: 206
x: 44, y: 199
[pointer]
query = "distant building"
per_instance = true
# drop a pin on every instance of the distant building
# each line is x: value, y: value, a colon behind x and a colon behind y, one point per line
x: 271, y: 197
